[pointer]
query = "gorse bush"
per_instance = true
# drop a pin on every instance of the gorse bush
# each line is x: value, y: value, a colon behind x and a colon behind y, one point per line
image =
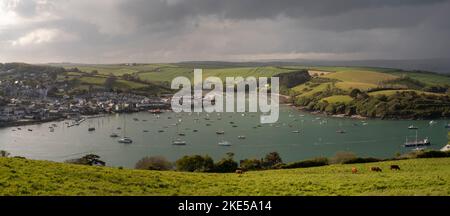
x: 154, y: 163
x: 342, y: 157
x: 361, y: 160
x: 90, y: 159
x: 226, y: 165
x: 433, y: 154
x: 195, y: 163
x: 4, y: 153
x: 320, y: 161
x: 272, y: 159
x: 251, y: 164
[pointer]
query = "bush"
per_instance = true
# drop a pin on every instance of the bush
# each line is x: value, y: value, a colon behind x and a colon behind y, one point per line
x: 432, y: 154
x: 226, y: 165
x: 251, y: 164
x: 342, y: 157
x: 4, y: 153
x: 154, y: 163
x: 361, y: 160
x: 321, y: 161
x: 272, y: 159
x: 90, y: 159
x: 195, y: 163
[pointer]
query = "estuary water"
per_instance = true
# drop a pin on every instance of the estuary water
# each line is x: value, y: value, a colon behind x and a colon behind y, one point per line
x: 153, y: 135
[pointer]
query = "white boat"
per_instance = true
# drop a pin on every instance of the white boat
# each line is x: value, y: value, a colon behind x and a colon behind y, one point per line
x: 178, y: 142
x: 417, y: 142
x: 224, y: 143
x: 125, y: 140
x: 220, y: 132
x: 296, y: 131
x: 412, y: 127
x: 242, y: 137
x: 432, y: 122
x: 446, y: 148
x: 114, y: 135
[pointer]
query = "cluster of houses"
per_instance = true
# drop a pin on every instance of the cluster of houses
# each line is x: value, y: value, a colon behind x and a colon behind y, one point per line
x: 42, y: 108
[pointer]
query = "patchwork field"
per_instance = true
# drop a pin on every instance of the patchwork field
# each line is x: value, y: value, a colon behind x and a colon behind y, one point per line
x: 416, y: 177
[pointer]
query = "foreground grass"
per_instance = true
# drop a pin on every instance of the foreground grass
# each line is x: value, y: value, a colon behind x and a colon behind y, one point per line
x: 417, y: 177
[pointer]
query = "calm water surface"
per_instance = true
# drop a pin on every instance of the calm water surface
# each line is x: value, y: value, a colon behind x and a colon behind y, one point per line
x: 317, y: 137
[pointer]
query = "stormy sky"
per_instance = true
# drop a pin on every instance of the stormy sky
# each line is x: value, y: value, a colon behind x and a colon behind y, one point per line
x: 117, y: 31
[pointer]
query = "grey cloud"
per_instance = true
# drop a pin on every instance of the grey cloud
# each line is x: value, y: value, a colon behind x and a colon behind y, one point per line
x: 176, y: 30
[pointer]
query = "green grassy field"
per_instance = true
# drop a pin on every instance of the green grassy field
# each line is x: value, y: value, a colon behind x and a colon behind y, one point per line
x: 416, y: 177
x: 338, y: 98
x: 391, y: 92
x: 370, y: 77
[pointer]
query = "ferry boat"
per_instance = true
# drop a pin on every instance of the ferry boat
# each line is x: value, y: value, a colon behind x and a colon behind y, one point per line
x: 417, y: 142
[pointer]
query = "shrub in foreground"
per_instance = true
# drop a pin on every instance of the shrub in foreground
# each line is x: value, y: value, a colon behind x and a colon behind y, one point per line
x: 432, y: 154
x: 361, y: 160
x: 251, y: 164
x: 90, y: 159
x: 342, y: 157
x: 4, y: 153
x: 226, y: 165
x: 154, y: 163
x: 195, y: 163
x: 321, y: 161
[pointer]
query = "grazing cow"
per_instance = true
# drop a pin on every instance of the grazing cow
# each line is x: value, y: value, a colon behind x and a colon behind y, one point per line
x: 376, y: 169
x: 354, y: 170
x: 395, y: 167
x: 239, y: 171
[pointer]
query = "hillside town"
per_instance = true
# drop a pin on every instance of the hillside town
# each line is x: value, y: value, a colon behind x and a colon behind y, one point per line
x: 27, y: 98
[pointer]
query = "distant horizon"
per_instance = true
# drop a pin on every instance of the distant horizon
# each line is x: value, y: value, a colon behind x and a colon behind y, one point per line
x: 437, y: 65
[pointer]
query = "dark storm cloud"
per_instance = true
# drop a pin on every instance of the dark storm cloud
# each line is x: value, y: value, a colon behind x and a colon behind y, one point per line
x: 148, y: 12
x: 176, y: 30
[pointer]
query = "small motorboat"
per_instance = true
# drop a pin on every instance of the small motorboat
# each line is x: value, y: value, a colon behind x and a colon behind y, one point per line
x: 220, y: 132
x: 113, y: 135
x: 30, y: 130
x: 446, y: 148
x: 91, y: 129
x: 181, y: 134
x: 242, y: 137
x: 340, y: 131
x: 179, y: 142
x: 125, y: 140
x: 296, y: 131
x: 412, y: 127
x: 224, y: 143
x: 160, y: 131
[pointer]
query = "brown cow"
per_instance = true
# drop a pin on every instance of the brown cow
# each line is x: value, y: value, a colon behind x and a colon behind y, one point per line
x: 395, y: 167
x: 376, y: 169
x: 354, y: 170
